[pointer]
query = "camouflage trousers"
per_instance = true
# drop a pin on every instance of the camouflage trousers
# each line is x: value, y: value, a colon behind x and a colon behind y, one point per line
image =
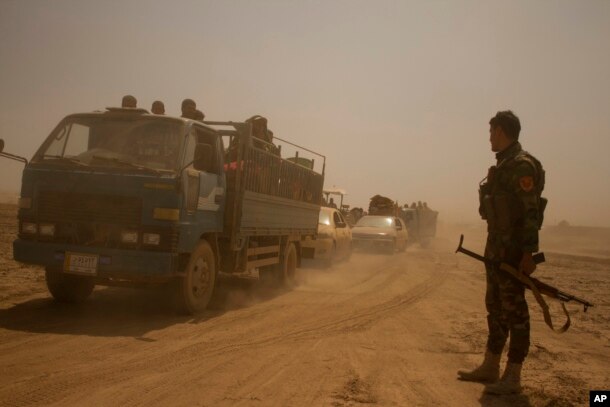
x: 507, y: 313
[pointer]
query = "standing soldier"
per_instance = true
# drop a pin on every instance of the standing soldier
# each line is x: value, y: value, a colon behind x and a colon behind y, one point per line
x: 511, y: 203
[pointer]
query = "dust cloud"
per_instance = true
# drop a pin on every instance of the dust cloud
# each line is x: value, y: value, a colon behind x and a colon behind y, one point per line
x: 379, y: 328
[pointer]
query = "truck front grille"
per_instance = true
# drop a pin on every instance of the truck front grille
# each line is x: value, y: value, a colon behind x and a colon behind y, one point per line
x: 55, y: 206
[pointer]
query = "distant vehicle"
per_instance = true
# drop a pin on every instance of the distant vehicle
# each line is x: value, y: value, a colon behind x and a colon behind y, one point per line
x: 421, y: 224
x: 123, y: 197
x: 383, y: 232
x: 334, y: 239
x: 420, y: 221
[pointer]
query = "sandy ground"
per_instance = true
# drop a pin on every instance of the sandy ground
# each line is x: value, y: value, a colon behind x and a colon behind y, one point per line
x: 385, y: 330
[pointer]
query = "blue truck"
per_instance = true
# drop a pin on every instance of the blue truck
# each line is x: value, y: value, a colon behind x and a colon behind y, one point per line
x: 122, y: 197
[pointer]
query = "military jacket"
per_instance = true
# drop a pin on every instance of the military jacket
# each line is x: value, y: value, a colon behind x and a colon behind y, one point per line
x: 511, y: 201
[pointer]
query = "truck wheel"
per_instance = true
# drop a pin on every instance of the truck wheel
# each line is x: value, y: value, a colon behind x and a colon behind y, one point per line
x: 288, y: 266
x: 67, y: 287
x: 195, y: 288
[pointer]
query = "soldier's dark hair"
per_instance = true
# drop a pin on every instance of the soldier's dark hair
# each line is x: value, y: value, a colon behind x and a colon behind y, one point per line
x: 187, y: 102
x: 509, y: 122
x: 158, y: 107
x: 129, y: 101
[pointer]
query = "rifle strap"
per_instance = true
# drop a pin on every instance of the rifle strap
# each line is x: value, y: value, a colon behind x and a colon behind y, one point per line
x: 545, y: 308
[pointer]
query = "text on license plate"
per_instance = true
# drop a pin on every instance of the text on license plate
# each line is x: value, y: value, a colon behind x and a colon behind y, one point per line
x: 81, y: 263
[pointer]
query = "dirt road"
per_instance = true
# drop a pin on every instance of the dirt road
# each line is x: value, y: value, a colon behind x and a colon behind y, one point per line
x: 386, y: 330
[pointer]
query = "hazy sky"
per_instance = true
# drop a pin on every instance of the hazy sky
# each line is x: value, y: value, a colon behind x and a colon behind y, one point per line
x: 396, y: 94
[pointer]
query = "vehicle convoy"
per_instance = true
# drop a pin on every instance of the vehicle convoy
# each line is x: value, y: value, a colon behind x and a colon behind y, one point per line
x: 334, y: 239
x: 123, y: 197
x: 388, y: 233
x: 420, y: 220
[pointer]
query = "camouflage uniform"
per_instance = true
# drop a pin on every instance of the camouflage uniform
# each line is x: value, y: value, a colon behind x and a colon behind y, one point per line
x: 511, y: 202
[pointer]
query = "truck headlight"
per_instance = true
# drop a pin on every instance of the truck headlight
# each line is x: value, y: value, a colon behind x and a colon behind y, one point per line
x: 31, y: 228
x: 129, y: 236
x: 166, y: 214
x: 47, y: 229
x: 151, y: 238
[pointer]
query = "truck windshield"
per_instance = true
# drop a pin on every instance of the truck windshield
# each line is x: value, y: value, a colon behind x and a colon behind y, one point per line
x: 141, y: 143
x: 375, y: 221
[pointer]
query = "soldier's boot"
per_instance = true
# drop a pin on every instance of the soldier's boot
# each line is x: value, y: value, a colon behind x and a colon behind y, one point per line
x: 488, y: 372
x: 509, y: 383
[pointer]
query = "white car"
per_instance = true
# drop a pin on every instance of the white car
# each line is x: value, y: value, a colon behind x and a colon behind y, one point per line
x: 386, y: 232
x: 334, y: 238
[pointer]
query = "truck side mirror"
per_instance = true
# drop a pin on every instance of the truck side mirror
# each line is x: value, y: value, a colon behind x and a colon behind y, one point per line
x: 11, y: 156
x: 204, y: 158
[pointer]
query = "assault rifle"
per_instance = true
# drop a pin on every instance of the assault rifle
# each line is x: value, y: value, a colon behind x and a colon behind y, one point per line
x: 537, y: 286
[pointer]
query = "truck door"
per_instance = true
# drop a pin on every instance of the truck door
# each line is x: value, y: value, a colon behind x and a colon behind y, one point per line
x: 204, y: 189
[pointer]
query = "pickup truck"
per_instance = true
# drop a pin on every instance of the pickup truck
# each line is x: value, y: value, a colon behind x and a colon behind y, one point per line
x: 122, y: 197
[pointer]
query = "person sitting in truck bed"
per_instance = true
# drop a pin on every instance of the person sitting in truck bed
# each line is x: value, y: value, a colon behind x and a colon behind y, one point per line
x: 129, y: 102
x: 189, y: 109
x: 157, y: 107
x: 261, y: 132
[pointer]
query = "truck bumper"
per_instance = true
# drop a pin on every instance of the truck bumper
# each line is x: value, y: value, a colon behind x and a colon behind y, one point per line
x: 113, y: 263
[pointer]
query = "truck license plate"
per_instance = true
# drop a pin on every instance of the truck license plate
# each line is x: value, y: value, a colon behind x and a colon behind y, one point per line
x: 81, y: 263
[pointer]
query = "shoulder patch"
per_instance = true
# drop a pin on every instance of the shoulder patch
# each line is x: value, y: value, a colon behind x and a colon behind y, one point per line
x: 526, y: 183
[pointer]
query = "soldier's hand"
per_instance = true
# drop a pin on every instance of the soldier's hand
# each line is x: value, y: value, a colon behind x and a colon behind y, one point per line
x: 527, y: 265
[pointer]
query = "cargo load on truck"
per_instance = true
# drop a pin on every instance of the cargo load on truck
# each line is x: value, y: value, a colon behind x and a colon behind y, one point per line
x: 382, y: 205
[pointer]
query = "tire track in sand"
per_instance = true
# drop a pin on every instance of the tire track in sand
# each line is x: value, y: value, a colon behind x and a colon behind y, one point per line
x: 52, y: 389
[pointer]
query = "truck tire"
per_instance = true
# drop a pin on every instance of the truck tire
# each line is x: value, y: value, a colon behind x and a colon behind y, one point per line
x: 288, y: 266
x: 194, y: 290
x: 67, y: 287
